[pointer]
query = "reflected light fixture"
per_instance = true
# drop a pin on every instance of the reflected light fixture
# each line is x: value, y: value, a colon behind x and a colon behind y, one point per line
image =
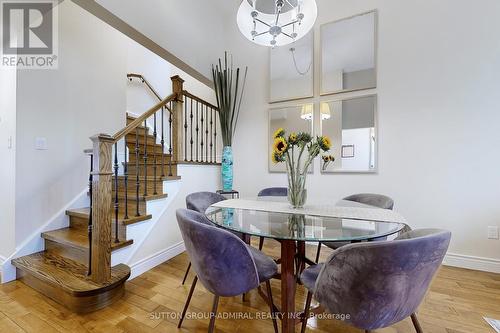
x: 307, y: 111
x: 276, y: 22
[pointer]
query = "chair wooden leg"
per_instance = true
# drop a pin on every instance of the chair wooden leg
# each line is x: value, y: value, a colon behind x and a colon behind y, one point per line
x: 319, y: 251
x: 193, y: 285
x: 213, y: 314
x: 271, y: 307
x: 187, y: 272
x: 306, y: 312
x: 261, y: 243
x: 368, y: 331
x: 414, y: 319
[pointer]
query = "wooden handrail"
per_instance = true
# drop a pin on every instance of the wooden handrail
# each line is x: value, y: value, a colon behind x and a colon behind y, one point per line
x: 196, y: 98
x: 146, y: 82
x: 138, y: 122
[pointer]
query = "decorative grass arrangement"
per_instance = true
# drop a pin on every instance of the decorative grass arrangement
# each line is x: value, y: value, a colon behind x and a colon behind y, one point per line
x: 229, y: 87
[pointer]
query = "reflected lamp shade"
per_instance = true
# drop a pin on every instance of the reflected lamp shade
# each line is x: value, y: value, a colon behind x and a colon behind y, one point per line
x: 276, y: 22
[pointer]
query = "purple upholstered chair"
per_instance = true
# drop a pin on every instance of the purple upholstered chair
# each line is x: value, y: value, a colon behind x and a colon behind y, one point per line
x: 199, y: 202
x: 225, y: 265
x: 271, y: 192
x: 371, y: 199
x: 377, y: 283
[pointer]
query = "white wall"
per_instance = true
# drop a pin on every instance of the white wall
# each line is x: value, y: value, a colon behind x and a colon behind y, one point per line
x: 8, y: 165
x: 438, y: 85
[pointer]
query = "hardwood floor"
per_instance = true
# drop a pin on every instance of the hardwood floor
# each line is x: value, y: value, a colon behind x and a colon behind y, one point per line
x: 456, y: 303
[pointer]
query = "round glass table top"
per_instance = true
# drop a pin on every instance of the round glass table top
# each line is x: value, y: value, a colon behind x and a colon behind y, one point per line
x: 301, y: 227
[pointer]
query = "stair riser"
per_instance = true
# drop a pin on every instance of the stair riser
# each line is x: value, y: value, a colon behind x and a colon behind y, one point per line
x: 150, y: 170
x: 149, y: 148
x: 166, y: 157
x: 150, y: 139
x: 78, y: 222
x: 131, y: 188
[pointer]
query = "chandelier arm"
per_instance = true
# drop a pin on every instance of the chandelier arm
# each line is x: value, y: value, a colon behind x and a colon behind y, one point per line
x: 288, y: 2
x: 278, y: 16
x: 284, y: 33
x: 286, y: 25
x: 262, y: 33
x: 259, y: 20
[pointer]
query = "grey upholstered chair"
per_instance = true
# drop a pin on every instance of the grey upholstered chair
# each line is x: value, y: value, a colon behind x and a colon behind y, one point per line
x: 371, y: 199
x: 377, y: 283
x: 271, y: 192
x: 199, y: 202
x: 224, y: 264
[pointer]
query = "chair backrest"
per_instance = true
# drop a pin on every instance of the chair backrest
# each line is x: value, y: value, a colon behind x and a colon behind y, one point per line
x: 376, y: 200
x: 200, y: 201
x: 273, y: 192
x: 381, y: 283
x: 221, y: 260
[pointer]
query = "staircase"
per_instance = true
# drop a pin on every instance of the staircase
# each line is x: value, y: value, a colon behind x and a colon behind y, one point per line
x: 75, y: 267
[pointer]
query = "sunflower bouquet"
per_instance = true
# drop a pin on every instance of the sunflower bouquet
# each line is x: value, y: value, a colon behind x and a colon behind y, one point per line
x: 297, y: 151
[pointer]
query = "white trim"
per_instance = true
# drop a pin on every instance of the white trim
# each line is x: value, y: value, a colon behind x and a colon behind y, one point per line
x: 34, y: 243
x: 156, y: 259
x: 472, y: 262
x: 2, y: 260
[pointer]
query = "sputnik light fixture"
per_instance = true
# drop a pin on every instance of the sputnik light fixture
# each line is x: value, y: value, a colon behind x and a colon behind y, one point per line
x: 276, y: 22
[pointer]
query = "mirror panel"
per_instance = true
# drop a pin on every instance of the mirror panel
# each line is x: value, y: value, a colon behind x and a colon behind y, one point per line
x: 351, y: 124
x: 292, y: 119
x: 348, y: 54
x: 291, y: 70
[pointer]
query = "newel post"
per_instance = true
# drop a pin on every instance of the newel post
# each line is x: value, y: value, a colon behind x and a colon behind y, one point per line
x: 101, y: 207
x: 177, y: 124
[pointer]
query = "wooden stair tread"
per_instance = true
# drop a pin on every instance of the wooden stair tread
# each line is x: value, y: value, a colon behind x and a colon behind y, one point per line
x: 68, y: 274
x: 131, y: 196
x: 78, y: 238
x: 150, y: 178
x: 85, y: 212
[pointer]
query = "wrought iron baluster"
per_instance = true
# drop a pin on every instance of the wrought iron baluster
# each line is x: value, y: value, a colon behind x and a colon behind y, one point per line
x: 206, y: 134
x: 125, y: 178
x: 211, y: 134
x: 137, y: 181
x: 185, y: 129
x: 155, y: 192
x: 201, y: 141
x: 89, y: 227
x: 197, y: 129
x: 116, y: 193
x: 215, y: 137
x: 191, y: 128
x: 162, y: 142
x: 170, y: 148
x: 145, y: 158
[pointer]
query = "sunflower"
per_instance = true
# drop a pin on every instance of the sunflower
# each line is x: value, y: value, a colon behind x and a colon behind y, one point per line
x: 293, y: 139
x: 280, y: 132
x: 325, y: 143
x: 280, y: 145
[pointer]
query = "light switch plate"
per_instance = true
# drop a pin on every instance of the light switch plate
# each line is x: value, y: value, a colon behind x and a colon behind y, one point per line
x: 41, y: 144
x: 492, y: 232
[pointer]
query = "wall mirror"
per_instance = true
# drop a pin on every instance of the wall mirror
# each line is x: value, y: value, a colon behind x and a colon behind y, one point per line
x: 348, y: 54
x: 292, y: 119
x: 351, y: 124
x: 291, y: 70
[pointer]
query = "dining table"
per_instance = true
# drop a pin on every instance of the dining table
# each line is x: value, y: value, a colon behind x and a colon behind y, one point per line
x: 274, y: 218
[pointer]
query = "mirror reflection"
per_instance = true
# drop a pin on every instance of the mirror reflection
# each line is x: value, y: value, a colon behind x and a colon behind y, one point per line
x: 351, y: 124
x: 348, y: 54
x: 293, y: 119
x: 291, y: 70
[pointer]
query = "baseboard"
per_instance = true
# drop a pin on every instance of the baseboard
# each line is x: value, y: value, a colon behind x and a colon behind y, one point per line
x: 472, y: 262
x: 156, y: 259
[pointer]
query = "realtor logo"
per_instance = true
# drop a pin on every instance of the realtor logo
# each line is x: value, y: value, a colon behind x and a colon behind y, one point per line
x: 29, y: 34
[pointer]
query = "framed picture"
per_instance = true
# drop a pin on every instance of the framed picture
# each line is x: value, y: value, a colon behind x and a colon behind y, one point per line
x: 292, y: 70
x: 347, y: 151
x: 348, y: 54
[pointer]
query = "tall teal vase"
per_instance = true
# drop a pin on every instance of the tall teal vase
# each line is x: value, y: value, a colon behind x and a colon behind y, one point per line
x: 227, y: 168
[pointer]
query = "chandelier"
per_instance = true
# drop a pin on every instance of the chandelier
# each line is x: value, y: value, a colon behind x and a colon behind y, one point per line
x: 276, y: 22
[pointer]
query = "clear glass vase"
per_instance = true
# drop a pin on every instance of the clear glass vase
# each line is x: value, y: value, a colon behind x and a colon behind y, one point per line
x: 297, y: 193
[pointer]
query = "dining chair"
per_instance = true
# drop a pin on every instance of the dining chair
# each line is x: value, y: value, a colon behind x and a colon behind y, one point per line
x: 199, y: 202
x: 271, y: 192
x: 377, y: 283
x: 224, y: 264
x: 370, y: 199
